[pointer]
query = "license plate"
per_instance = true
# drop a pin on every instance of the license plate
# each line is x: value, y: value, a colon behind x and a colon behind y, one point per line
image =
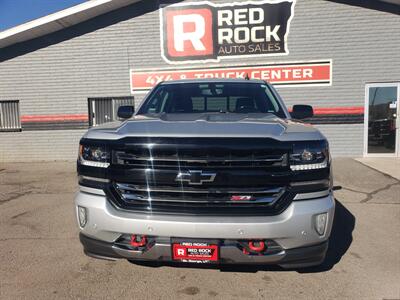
x: 195, y: 252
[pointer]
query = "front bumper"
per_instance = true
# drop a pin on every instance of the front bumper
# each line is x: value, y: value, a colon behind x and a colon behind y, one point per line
x: 290, y: 258
x: 293, y: 230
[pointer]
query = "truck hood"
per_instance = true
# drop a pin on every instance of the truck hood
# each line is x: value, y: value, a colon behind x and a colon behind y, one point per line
x: 207, y: 125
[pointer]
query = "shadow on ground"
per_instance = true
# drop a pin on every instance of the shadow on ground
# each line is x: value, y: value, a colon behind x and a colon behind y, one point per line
x: 340, y: 241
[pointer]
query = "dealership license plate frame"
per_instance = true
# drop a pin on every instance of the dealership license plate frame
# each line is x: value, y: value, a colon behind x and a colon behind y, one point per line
x: 193, y: 257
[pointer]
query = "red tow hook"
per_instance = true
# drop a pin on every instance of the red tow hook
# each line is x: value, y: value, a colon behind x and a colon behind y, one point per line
x: 138, y: 240
x: 257, y: 246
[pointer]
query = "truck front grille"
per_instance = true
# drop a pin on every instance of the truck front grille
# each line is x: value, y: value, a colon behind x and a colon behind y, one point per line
x: 183, y: 160
x: 189, y: 200
x: 248, y: 176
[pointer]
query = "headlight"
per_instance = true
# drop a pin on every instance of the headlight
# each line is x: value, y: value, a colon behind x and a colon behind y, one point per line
x: 94, y: 156
x: 309, y: 156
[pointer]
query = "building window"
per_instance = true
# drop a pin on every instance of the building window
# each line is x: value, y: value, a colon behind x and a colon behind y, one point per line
x: 9, y: 115
x: 104, y: 110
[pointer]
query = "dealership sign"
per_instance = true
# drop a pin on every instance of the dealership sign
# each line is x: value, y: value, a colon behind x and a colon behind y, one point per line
x: 208, y: 32
x: 299, y: 73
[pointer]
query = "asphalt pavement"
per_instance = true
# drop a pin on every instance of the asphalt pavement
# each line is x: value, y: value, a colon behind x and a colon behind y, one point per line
x: 41, y: 257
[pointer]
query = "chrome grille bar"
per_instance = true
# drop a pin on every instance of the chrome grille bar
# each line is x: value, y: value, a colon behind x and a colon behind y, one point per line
x: 130, y: 192
x: 143, y: 188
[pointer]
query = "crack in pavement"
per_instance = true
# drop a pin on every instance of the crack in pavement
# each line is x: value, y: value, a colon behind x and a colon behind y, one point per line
x: 381, y: 203
x: 20, y: 214
x: 14, y: 196
x: 353, y: 190
x: 369, y: 195
x: 21, y: 183
x: 37, y: 238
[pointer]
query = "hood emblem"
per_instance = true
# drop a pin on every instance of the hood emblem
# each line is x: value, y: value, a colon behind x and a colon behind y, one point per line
x: 195, y: 177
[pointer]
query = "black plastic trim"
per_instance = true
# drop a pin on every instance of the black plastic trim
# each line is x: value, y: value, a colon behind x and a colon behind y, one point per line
x: 294, y: 258
x: 97, y: 247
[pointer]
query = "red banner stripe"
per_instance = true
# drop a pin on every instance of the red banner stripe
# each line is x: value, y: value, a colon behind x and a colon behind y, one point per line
x: 351, y: 110
x: 52, y: 118
x: 346, y: 110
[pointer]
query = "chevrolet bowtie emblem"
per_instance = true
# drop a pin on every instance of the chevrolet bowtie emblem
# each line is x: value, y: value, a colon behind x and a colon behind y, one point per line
x: 195, y: 177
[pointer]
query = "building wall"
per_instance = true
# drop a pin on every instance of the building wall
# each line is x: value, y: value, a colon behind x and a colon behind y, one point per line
x: 39, y: 145
x: 55, y: 74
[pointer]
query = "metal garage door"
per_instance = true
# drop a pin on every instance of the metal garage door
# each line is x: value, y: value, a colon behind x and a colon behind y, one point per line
x: 104, y: 110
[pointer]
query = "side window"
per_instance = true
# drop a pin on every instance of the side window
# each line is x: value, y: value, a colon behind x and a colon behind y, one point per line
x: 9, y: 115
x: 272, y: 100
x: 158, y: 102
x: 233, y: 103
x: 215, y: 104
x: 198, y: 104
x: 104, y: 110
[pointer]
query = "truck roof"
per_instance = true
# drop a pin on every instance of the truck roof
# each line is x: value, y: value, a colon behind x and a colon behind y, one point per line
x: 214, y: 80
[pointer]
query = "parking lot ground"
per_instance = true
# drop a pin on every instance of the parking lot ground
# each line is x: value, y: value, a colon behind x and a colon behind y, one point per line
x: 41, y: 257
x: 387, y: 165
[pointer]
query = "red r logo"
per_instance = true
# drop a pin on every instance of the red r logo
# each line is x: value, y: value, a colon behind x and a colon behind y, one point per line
x: 188, y: 33
x: 179, y: 252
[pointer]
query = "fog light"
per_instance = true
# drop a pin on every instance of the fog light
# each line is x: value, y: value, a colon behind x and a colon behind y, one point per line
x: 320, y: 223
x: 82, y: 216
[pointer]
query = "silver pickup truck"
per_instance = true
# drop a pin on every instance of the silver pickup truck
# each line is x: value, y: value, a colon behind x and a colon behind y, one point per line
x: 207, y: 171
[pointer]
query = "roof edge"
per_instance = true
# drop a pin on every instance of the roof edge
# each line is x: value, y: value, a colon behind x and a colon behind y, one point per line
x: 59, y: 20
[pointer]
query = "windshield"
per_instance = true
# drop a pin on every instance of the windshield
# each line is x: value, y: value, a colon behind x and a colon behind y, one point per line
x: 189, y: 98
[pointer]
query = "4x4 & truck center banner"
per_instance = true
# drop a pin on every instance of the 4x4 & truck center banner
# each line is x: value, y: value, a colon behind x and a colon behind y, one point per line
x: 297, y: 73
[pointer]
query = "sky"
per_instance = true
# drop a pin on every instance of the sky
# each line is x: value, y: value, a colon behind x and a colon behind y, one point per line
x: 16, y: 12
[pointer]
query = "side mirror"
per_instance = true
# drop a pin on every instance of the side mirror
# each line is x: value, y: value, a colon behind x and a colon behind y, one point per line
x: 125, y: 112
x: 302, y: 112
